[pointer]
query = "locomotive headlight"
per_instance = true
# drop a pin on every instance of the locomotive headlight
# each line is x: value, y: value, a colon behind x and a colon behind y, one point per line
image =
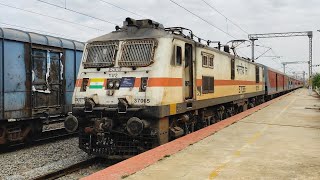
x: 110, y: 84
x: 143, y: 85
x: 117, y: 84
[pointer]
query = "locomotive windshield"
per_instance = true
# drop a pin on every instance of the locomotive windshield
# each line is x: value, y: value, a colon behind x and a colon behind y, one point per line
x: 137, y: 53
x: 134, y: 53
x: 101, y: 54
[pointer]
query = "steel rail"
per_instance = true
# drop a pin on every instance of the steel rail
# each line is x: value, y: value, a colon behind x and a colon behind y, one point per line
x: 68, y: 170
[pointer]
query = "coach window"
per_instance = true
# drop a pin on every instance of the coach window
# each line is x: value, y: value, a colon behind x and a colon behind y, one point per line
x: 178, y: 55
x: 207, y: 84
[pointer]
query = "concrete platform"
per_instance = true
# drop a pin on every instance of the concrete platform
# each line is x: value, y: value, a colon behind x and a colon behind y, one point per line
x: 281, y: 141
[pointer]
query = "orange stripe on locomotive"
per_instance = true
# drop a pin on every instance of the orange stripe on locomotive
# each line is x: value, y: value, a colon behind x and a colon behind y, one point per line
x: 178, y: 82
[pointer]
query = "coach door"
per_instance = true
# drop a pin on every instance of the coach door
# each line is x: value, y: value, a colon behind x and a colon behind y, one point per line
x: 188, y: 72
x: 46, y: 81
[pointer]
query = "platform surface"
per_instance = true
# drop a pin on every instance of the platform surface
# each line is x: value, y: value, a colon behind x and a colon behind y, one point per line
x: 281, y: 141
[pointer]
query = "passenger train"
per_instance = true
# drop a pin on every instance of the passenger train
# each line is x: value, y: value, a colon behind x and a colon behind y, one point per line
x: 144, y: 85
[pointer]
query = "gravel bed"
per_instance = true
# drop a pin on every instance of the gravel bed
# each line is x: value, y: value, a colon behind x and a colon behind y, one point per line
x: 30, y: 162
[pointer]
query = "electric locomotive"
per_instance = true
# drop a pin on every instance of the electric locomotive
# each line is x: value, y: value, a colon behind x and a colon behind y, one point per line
x: 143, y: 85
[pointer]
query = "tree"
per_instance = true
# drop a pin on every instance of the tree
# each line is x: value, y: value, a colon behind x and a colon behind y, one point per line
x: 316, y: 80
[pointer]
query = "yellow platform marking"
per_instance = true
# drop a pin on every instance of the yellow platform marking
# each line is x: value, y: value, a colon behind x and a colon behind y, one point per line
x: 215, y: 173
x: 237, y: 153
x: 252, y: 139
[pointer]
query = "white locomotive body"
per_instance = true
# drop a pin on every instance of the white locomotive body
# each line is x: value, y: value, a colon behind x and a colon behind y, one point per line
x: 144, y: 85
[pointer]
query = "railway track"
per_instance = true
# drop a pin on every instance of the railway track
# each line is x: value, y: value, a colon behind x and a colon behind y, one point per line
x: 45, y: 137
x: 69, y: 169
x: 75, y: 167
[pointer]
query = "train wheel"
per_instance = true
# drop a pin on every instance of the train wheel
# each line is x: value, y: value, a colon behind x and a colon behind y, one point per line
x: 240, y: 109
x: 213, y: 120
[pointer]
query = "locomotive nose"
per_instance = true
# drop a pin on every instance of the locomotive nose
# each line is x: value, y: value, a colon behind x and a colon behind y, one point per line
x: 71, y: 123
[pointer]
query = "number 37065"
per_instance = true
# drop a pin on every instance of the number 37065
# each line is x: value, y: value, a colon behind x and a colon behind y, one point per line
x: 141, y: 100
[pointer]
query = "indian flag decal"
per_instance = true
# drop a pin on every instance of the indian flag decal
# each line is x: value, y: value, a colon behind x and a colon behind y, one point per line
x: 96, y: 83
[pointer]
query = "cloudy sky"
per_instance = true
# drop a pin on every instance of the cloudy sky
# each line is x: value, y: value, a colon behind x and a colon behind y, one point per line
x: 252, y: 16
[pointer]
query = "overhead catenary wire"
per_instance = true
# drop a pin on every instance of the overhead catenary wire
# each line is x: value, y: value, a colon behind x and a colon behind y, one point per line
x: 211, y: 23
x: 232, y: 22
x: 235, y: 24
x: 78, y: 12
x: 203, y: 19
x: 227, y: 19
x: 44, y: 15
x: 114, y: 5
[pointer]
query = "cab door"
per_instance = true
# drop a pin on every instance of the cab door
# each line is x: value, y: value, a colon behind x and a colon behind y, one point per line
x: 188, y: 72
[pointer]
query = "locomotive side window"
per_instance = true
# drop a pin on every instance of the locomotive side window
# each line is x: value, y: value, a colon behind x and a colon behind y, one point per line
x: 232, y: 68
x: 204, y: 61
x: 257, y: 74
x: 207, y: 84
x: 207, y: 60
x: 211, y: 61
x: 178, y: 55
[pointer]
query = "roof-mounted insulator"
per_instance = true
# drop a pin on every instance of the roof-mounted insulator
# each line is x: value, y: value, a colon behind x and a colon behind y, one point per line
x: 117, y: 28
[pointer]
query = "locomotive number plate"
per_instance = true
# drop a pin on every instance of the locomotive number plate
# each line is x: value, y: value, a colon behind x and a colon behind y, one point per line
x: 141, y: 100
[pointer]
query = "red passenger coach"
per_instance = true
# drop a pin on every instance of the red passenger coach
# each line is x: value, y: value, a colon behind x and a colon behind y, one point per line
x: 278, y: 83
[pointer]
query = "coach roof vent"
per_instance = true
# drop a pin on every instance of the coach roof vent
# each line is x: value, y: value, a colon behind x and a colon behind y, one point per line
x: 143, y: 23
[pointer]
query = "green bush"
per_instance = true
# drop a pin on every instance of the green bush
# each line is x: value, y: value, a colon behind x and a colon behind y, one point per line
x: 316, y: 80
